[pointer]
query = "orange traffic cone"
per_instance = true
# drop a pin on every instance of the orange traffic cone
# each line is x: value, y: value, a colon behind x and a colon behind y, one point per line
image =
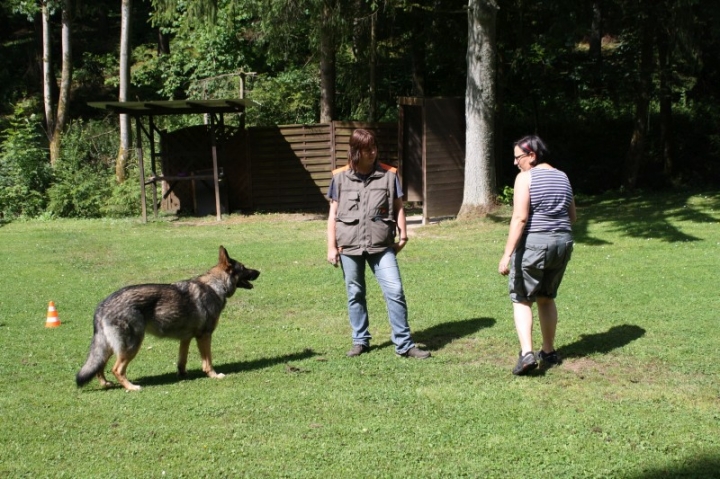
x: 52, y: 316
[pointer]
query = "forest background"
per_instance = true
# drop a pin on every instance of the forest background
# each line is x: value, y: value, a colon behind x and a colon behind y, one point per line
x: 612, y: 85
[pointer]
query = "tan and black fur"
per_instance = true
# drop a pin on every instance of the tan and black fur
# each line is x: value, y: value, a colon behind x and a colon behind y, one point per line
x: 183, y: 311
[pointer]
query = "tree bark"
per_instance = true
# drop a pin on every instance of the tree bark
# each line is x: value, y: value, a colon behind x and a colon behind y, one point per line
x: 372, y: 70
x: 666, y: 126
x: 124, y: 152
x: 48, y: 76
x: 57, y: 120
x: 327, y: 65
x: 636, y: 151
x: 596, y: 32
x: 479, y: 188
x: 418, y: 52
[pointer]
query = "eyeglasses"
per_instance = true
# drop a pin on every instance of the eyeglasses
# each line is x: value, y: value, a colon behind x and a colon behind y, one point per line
x: 520, y: 156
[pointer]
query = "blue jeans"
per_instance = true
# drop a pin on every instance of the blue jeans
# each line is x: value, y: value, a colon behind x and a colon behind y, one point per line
x: 385, y: 268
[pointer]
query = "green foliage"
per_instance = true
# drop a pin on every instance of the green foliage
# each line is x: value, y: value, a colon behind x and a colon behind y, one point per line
x: 506, y: 196
x: 25, y: 171
x: 200, y: 50
x: 124, y: 199
x: 81, y: 186
x: 637, y: 395
x: 290, y: 98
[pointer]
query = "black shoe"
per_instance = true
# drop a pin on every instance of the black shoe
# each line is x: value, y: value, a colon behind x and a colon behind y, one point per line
x: 416, y: 353
x: 525, y: 364
x: 357, y: 350
x: 552, y: 359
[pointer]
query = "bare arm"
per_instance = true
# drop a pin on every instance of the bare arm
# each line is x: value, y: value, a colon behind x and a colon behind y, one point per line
x: 572, y: 212
x: 333, y: 254
x: 521, y: 211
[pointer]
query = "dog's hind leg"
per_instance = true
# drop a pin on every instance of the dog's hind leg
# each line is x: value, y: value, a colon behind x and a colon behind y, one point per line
x: 120, y: 368
x: 101, y: 374
x: 183, y: 357
x: 204, y: 343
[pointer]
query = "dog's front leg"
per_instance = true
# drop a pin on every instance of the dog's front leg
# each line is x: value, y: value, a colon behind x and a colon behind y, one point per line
x: 183, y: 357
x: 204, y: 347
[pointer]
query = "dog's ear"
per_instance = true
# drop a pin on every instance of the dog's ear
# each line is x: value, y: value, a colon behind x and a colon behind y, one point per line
x: 223, y: 257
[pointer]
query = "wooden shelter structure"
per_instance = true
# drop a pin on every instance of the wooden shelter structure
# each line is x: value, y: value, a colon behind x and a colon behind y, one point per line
x: 213, y: 109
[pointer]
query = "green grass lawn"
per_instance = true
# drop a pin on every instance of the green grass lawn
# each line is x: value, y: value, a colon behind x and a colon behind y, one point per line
x: 638, y: 395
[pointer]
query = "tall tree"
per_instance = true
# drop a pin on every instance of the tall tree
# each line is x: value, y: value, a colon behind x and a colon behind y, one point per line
x: 125, y: 49
x: 479, y: 188
x: 56, y: 118
x: 636, y: 151
x: 328, y: 50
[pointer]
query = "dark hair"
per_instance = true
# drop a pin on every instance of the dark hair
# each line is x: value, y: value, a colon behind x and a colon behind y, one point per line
x: 360, y: 140
x: 534, y: 144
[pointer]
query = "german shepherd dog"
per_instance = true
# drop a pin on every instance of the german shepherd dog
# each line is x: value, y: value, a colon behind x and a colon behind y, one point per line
x: 183, y: 311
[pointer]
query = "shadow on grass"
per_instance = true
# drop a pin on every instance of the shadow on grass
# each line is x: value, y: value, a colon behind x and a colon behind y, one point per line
x: 230, y: 368
x: 614, y: 338
x: 640, y: 215
x: 436, y: 337
x: 696, y: 468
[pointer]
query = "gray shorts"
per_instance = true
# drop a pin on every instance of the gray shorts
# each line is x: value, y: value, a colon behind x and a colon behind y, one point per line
x: 538, y: 264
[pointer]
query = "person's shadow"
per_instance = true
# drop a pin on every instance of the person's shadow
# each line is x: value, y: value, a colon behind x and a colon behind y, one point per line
x: 436, y: 337
x: 614, y: 338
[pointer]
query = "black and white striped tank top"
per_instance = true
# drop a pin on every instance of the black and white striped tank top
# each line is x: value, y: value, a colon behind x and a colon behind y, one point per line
x: 550, y: 197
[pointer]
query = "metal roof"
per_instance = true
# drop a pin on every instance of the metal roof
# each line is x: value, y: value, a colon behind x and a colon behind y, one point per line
x: 173, y: 107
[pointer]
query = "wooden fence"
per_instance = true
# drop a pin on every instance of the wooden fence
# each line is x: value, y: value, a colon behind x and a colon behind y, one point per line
x: 291, y: 165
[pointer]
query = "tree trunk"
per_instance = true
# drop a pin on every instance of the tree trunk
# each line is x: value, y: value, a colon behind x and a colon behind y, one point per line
x: 372, y: 104
x: 418, y: 52
x: 666, y: 127
x: 163, y: 45
x: 636, y: 151
x: 327, y: 66
x: 124, y: 153
x: 48, y: 77
x: 56, y: 121
x: 596, y: 33
x: 479, y: 191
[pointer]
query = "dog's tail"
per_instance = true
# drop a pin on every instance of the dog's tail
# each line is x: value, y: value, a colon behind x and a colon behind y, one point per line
x: 97, y: 358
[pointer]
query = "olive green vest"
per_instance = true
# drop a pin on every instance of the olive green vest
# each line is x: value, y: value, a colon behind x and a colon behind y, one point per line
x: 365, y: 220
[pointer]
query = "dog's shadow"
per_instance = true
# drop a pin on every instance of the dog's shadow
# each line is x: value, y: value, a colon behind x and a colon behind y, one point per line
x: 231, y: 368
x: 436, y: 337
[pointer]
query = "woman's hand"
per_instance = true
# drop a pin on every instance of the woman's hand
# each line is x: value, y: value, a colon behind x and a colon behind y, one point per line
x: 400, y: 245
x: 503, y: 268
x: 333, y: 256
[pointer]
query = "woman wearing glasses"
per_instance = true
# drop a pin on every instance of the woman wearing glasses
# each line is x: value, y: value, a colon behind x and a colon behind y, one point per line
x: 538, y: 248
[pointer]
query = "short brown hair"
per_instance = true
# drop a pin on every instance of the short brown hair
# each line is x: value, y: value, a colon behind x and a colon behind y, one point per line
x: 360, y: 140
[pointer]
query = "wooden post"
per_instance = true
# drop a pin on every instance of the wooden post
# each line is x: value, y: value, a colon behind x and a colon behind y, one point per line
x: 141, y: 165
x: 151, y: 139
x: 216, y: 177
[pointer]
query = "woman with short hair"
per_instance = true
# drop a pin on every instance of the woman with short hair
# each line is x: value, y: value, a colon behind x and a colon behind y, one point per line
x: 538, y: 248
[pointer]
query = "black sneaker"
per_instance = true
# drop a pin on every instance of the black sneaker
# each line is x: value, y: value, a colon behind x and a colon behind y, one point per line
x: 357, y: 350
x: 525, y: 364
x: 416, y: 353
x: 552, y: 358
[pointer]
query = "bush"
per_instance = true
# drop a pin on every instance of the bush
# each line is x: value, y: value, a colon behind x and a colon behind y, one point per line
x: 124, y: 198
x: 25, y: 172
x: 81, y: 185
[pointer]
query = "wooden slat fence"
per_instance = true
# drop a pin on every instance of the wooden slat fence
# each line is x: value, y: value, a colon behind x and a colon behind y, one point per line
x: 291, y: 165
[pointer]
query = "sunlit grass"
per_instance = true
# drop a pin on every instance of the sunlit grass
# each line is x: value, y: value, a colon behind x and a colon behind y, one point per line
x: 637, y: 396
